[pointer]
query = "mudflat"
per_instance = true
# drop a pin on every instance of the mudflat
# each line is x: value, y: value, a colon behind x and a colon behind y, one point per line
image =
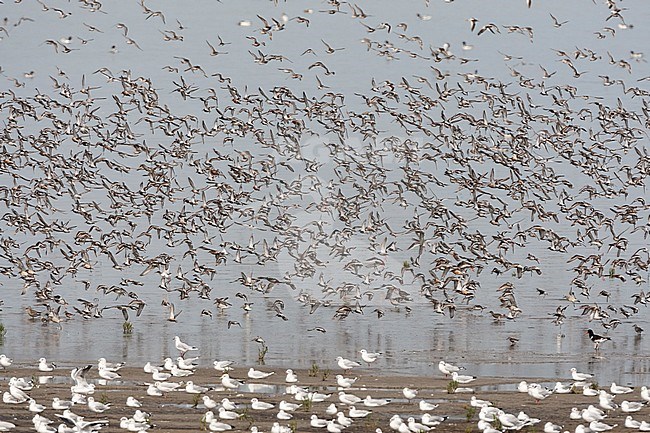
x: 180, y: 411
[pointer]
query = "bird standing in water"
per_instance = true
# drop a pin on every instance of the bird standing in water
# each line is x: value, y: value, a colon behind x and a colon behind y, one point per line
x: 597, y: 339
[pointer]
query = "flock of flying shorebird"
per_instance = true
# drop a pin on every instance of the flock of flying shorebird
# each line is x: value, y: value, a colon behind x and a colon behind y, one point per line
x: 417, y: 186
x: 329, y: 406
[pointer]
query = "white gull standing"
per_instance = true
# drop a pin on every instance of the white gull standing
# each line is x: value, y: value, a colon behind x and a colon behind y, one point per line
x: 346, y: 364
x: 447, y: 368
x: 183, y: 348
x: 369, y: 357
x: 580, y: 377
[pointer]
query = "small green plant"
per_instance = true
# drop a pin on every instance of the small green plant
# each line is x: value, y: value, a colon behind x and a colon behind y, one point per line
x: 246, y: 416
x: 326, y: 374
x: 261, y: 354
x: 313, y: 371
x: 293, y: 425
x: 371, y: 424
x: 452, y: 386
x: 497, y: 424
x: 103, y: 398
x: 468, y: 429
x: 307, y: 405
x: 470, y: 411
x: 203, y: 424
x: 3, y: 333
x: 196, y: 399
x: 127, y: 328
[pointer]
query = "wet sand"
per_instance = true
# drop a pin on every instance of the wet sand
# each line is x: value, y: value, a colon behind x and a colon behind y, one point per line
x: 181, y: 412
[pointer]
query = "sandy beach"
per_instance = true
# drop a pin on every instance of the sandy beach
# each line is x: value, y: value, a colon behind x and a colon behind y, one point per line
x: 180, y: 411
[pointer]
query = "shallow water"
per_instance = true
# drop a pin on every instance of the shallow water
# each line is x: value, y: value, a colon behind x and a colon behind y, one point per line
x: 412, y: 341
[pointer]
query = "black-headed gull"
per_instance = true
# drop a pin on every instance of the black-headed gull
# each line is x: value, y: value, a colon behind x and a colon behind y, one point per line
x: 256, y: 404
x: 208, y: 402
x: 227, y: 414
x: 353, y: 412
x: 44, y: 366
x: 257, y: 374
x: 192, y: 388
x: 416, y: 426
x: 133, y: 402
x: 35, y: 407
x: 580, y: 377
x: 5, y: 361
x: 223, y: 365
x: 106, y: 374
x: 186, y: 364
x: 59, y: 404
x: 619, y: 389
x: 283, y: 415
x: 141, y: 416
x: 432, y: 420
x: 73, y: 420
x: 225, y: 402
x: 289, y: 407
x: 6, y: 426
x: 216, y: 425
x: 645, y: 393
x: 575, y: 413
x: 167, y: 386
x: 17, y: 393
x: 592, y: 413
x: 317, y: 422
x: 375, y: 402
x: 111, y: 366
x: 348, y: 399
x: 599, y: 426
x: 343, y: 420
x: 462, y: 378
x: 81, y: 385
x: 549, y: 427
x: 331, y: 409
x: 369, y: 357
x: 346, y: 364
x: 395, y: 421
x: 178, y: 372
x: 409, y: 393
x: 183, y: 347
x: 333, y: 427
x: 539, y: 393
x: 425, y: 406
x: 606, y: 401
x: 475, y: 402
x: 152, y: 390
x: 631, y: 406
x: 632, y: 423
x: 97, y: 406
x: 447, y: 368
x: 509, y: 421
x: 229, y: 382
x: 345, y: 382
x: 561, y: 388
x: 291, y: 376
